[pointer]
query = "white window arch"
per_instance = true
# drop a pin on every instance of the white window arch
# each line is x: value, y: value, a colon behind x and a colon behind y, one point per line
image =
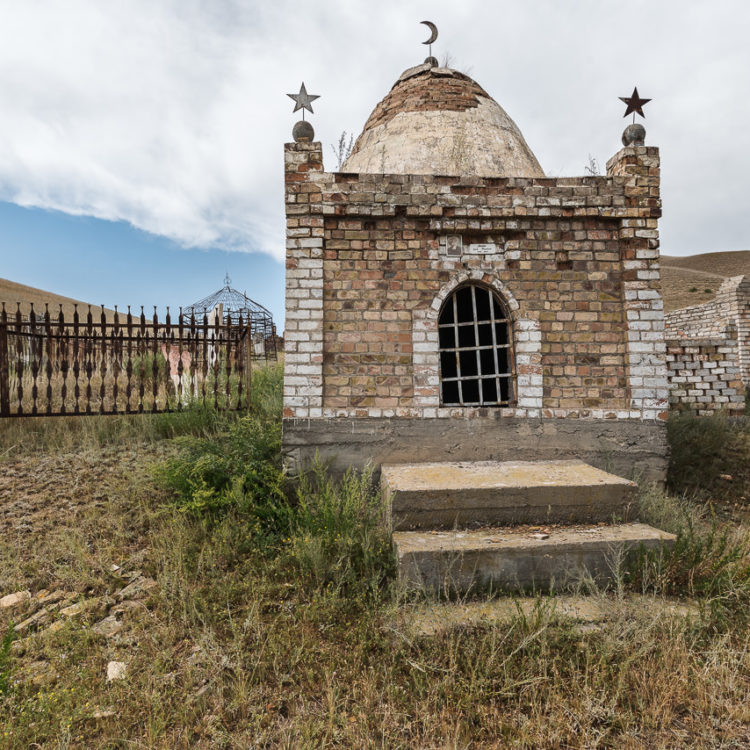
x: 475, y: 339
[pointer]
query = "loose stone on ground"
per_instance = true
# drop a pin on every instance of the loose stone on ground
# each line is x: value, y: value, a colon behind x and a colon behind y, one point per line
x: 116, y: 670
x: 12, y: 600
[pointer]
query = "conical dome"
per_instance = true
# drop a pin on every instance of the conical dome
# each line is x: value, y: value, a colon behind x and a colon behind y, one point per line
x: 439, y: 121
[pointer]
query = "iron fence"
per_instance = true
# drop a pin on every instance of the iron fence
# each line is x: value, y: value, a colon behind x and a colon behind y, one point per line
x: 124, y: 364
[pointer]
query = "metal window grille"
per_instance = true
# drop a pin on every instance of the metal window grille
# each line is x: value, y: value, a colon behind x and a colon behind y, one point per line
x: 476, y: 349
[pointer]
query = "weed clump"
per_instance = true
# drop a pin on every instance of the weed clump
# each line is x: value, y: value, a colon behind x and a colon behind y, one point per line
x: 238, y: 469
x: 709, y: 560
x: 339, y: 536
x: 331, y: 534
x: 699, y: 450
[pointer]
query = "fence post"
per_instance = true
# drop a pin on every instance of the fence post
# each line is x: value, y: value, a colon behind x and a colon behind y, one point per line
x: 4, y: 367
x: 248, y: 364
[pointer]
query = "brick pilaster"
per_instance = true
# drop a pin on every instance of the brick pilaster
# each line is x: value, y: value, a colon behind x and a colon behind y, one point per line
x: 639, y: 169
x: 303, y: 336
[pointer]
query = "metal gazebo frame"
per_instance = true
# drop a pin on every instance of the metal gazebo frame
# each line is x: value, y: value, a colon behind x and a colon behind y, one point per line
x: 234, y: 305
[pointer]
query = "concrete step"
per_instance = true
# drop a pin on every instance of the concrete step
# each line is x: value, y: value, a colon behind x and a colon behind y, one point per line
x: 587, y: 613
x: 454, y: 494
x: 517, y: 558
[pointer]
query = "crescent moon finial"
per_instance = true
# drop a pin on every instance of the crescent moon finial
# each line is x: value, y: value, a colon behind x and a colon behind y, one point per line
x: 433, y: 29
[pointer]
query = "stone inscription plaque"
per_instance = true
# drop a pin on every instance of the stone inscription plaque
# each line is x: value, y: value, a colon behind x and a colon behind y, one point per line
x: 484, y: 248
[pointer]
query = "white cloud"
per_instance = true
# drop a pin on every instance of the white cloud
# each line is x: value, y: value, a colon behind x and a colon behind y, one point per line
x: 171, y: 115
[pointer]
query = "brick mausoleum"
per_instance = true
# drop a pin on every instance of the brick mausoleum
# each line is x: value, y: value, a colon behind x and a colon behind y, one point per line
x: 447, y: 301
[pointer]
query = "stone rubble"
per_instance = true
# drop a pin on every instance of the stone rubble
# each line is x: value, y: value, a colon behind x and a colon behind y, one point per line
x: 11, y: 600
x: 47, y: 612
x: 135, y: 588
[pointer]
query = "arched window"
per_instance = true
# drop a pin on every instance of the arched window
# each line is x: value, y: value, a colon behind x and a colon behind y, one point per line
x: 476, y: 349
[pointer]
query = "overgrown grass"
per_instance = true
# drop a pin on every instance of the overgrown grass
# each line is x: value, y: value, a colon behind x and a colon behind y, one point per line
x: 242, y: 649
x: 710, y: 457
x: 328, y: 534
x: 238, y: 469
x: 280, y: 625
x: 710, y: 560
x: 339, y: 538
x: 5, y: 661
x: 708, y: 482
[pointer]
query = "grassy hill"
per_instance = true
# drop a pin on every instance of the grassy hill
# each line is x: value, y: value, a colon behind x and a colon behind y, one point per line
x: 11, y: 293
x: 694, y: 279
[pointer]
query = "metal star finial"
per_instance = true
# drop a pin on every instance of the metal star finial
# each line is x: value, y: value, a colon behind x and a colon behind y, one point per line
x: 303, y: 100
x: 635, y: 104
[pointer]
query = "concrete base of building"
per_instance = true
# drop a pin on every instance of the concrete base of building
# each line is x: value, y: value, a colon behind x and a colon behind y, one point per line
x: 629, y: 448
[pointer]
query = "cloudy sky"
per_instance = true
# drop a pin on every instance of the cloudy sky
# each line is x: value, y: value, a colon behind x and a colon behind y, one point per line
x: 143, y: 138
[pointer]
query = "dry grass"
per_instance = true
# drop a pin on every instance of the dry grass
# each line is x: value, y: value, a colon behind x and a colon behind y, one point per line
x: 234, y: 651
x: 734, y: 263
x: 682, y: 287
x: 694, y: 279
x: 12, y: 292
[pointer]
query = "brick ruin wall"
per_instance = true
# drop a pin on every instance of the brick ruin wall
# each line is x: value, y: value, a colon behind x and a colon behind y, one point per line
x: 704, y: 376
x: 708, y: 351
x: 576, y: 263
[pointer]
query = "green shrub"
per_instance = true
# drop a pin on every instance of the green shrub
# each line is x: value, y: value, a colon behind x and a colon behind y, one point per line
x: 238, y: 470
x: 698, y: 450
x: 5, y: 657
x: 339, y: 537
x: 708, y: 560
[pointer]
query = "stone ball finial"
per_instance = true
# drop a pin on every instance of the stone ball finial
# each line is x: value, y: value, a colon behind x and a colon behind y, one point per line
x: 634, y: 135
x: 303, y: 132
x: 431, y: 61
